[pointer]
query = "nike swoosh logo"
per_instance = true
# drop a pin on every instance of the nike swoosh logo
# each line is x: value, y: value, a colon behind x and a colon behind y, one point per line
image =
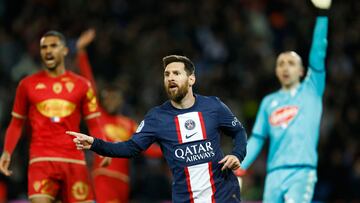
x: 188, y: 136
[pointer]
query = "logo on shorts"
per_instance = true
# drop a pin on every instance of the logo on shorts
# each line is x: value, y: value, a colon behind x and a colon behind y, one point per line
x: 80, y: 190
x: 189, y: 124
x: 44, y: 186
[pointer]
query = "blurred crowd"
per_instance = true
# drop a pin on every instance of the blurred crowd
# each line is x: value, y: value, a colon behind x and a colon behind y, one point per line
x: 234, y: 44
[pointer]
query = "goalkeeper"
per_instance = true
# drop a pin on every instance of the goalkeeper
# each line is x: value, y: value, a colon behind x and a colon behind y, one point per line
x: 290, y: 119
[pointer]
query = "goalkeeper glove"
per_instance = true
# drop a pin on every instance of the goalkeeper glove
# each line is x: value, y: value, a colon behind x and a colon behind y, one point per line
x: 322, y: 4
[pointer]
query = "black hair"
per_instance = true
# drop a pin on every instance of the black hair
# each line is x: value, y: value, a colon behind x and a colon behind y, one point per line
x: 56, y: 34
x: 189, y: 65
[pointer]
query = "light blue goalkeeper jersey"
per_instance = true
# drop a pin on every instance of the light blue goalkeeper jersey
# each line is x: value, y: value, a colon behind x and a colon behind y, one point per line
x: 291, y: 119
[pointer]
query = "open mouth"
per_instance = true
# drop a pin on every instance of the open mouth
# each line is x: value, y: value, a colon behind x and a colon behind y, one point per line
x: 173, y: 86
x: 49, y: 59
x: 286, y: 76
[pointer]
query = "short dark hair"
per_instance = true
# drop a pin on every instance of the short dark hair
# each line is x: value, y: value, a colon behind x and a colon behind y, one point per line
x: 189, y: 65
x: 56, y: 34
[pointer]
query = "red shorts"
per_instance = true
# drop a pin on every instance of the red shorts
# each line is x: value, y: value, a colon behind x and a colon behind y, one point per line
x: 68, y: 182
x: 109, y: 189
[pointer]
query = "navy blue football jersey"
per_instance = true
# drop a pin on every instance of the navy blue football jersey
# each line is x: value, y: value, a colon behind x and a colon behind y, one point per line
x: 190, y: 141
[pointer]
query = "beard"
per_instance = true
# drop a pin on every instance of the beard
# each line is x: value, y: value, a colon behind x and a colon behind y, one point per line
x: 51, y: 68
x: 178, y: 95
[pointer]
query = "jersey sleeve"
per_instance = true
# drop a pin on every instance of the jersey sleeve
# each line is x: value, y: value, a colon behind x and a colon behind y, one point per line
x: 141, y: 140
x: 258, y: 137
x: 231, y: 126
x: 21, y: 103
x: 85, y: 67
x: 145, y: 134
x: 125, y: 149
x: 13, y: 134
x: 316, y: 72
x: 261, y: 126
x: 91, y: 112
x: 254, y: 147
x: 90, y: 107
x: 19, y: 114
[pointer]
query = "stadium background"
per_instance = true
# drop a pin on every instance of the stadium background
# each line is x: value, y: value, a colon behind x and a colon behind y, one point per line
x: 234, y: 45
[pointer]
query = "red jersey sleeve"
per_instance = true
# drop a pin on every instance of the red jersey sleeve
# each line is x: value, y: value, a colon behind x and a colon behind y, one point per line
x: 85, y: 67
x: 20, y: 108
x: 90, y: 107
x: 12, y: 135
x: 21, y: 103
x: 91, y: 111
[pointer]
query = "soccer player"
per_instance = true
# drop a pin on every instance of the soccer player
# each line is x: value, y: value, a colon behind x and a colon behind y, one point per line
x: 290, y: 118
x: 53, y: 101
x: 187, y: 127
x: 111, y: 183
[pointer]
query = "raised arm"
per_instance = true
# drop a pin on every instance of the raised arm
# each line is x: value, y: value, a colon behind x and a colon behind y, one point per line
x: 316, y: 71
x: 82, y: 58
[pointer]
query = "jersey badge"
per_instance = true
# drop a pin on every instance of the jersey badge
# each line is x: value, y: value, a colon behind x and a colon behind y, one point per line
x: 274, y: 103
x: 40, y: 86
x: 69, y: 86
x: 57, y: 87
x: 189, y: 124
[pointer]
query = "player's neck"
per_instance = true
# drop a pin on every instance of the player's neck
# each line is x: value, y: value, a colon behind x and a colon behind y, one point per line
x: 187, y: 102
x: 56, y: 71
x: 290, y: 87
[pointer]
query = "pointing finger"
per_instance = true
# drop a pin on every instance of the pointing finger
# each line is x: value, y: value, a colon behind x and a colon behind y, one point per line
x: 223, y: 160
x: 76, y: 134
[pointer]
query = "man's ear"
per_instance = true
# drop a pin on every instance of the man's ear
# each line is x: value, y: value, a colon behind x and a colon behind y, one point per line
x: 192, y: 79
x: 66, y: 51
x: 302, y: 72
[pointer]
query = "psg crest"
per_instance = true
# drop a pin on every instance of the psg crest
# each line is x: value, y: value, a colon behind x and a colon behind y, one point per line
x: 189, y: 124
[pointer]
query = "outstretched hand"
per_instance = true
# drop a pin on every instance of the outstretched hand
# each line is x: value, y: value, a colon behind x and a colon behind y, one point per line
x: 85, y: 39
x: 5, y: 163
x: 322, y: 4
x: 230, y: 161
x: 81, y: 141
